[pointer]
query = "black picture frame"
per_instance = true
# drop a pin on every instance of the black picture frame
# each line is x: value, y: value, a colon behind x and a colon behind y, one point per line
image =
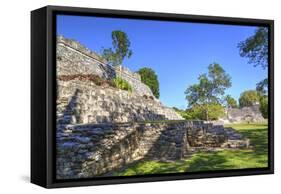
x: 43, y: 95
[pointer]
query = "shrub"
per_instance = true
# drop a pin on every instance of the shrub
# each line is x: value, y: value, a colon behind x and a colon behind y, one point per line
x: 230, y: 102
x: 122, y: 84
x: 248, y: 98
x: 264, y: 106
x: 200, y: 112
x: 207, y: 112
x: 149, y: 78
x: 187, y: 114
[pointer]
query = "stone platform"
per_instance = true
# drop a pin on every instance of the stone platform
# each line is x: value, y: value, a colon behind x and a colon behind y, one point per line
x: 89, y: 150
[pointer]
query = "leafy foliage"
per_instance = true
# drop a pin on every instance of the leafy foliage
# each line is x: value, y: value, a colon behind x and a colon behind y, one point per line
x: 231, y: 102
x: 149, y: 77
x: 186, y: 114
x: 210, y: 88
x: 255, y: 48
x: 209, y: 91
x: 264, y: 106
x: 248, y: 98
x: 211, y: 111
x: 121, y: 48
x: 122, y: 84
x: 262, y: 87
x: 198, y: 112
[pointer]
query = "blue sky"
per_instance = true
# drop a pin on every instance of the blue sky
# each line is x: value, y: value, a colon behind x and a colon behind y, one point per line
x: 178, y: 52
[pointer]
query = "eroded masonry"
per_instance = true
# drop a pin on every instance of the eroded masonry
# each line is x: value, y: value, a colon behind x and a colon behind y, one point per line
x: 101, y: 128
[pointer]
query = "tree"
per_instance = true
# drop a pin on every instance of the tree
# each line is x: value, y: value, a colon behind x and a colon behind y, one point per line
x: 149, y: 77
x: 198, y: 112
x: 262, y: 87
x: 255, y: 48
x: 264, y: 106
x: 248, y: 98
x: 212, y: 111
x: 210, y: 89
x: 121, y: 48
x: 230, y: 102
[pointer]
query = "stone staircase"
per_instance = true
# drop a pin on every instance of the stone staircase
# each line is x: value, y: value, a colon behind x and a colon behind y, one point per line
x: 84, y: 102
x: 88, y: 150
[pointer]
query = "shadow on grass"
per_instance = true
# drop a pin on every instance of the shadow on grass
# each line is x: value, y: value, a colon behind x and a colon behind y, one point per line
x: 207, y: 161
x: 236, y: 159
x: 153, y: 167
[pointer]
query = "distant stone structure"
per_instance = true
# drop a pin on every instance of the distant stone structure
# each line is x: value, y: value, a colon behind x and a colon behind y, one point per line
x: 245, y: 114
x: 102, y: 128
x: 250, y: 114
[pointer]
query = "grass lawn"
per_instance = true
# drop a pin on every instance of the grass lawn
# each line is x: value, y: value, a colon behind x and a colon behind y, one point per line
x: 219, y: 160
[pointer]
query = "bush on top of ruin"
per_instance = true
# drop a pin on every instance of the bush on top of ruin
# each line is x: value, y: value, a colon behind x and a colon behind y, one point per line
x: 117, y: 82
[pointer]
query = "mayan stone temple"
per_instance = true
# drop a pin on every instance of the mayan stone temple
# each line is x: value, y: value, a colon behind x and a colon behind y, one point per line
x: 101, y: 129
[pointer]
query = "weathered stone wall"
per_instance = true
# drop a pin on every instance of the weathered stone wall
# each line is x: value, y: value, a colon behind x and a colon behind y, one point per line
x: 97, y: 149
x: 84, y: 102
x: 73, y: 58
x: 91, y: 150
x: 245, y: 114
x: 101, y: 148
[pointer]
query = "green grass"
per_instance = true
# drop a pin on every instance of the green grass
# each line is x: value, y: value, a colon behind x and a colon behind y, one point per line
x: 122, y: 84
x: 255, y: 157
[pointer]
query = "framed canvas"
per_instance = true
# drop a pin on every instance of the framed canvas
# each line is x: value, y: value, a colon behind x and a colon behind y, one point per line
x: 126, y: 96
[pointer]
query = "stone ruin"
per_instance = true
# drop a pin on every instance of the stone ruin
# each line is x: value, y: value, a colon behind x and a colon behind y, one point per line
x: 73, y: 59
x: 245, y: 114
x: 251, y: 114
x: 101, y: 129
x: 90, y: 150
